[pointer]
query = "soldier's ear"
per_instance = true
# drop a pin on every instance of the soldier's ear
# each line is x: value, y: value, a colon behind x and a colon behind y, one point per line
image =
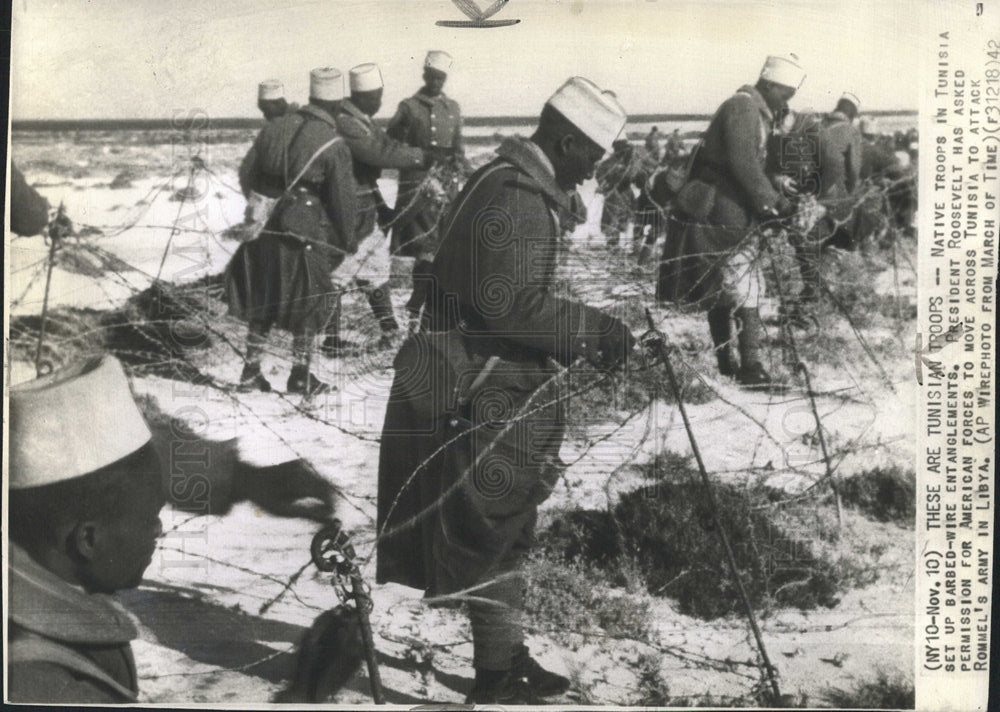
x: 83, y: 540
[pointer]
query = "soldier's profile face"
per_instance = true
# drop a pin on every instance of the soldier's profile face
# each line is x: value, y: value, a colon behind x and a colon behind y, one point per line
x: 578, y: 161
x: 123, y: 547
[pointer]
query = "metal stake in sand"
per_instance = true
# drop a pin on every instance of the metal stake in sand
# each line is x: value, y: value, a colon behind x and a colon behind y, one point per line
x: 800, y: 367
x: 333, y: 552
x: 659, y: 343
x: 56, y: 228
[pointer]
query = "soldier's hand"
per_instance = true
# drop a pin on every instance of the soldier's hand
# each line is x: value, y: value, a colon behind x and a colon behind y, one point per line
x: 614, y: 346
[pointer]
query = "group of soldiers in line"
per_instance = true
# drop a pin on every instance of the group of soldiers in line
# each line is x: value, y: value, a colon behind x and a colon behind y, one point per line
x: 474, y: 421
x: 317, y: 219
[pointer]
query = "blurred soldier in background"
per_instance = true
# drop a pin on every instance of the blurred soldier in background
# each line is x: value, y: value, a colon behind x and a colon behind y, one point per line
x: 674, y: 149
x: 712, y: 255
x: 369, y: 268
x: 614, y: 179
x: 432, y: 121
x: 652, y: 143
x: 464, y: 462
x: 838, y: 170
x: 282, y: 278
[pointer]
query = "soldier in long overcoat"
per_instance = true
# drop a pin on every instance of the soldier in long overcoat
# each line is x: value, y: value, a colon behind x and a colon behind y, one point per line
x: 282, y: 278
x: 473, y: 425
x: 432, y: 121
x: 369, y: 268
x: 260, y: 195
x: 711, y: 255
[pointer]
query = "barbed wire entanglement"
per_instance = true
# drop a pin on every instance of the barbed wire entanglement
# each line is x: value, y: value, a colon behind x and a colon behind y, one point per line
x: 790, y: 461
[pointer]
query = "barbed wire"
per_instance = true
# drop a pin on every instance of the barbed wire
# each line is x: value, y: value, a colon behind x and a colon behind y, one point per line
x: 595, y: 264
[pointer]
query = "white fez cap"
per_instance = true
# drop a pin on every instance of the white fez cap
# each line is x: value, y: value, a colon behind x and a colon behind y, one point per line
x: 270, y: 89
x: 784, y: 70
x: 326, y: 83
x: 596, y: 113
x: 366, y: 77
x: 853, y: 98
x: 72, y: 422
x: 436, y: 59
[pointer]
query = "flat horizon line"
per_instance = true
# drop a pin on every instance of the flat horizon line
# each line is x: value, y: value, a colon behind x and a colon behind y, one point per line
x: 191, y: 121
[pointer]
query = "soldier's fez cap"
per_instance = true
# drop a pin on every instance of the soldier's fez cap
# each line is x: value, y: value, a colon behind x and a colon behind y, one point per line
x: 436, y: 59
x: 853, y: 98
x: 365, y: 77
x: 72, y: 422
x: 269, y: 90
x: 784, y: 70
x: 595, y: 112
x: 326, y: 83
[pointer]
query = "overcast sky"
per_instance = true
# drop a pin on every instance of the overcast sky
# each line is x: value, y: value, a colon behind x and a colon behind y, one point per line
x: 150, y: 58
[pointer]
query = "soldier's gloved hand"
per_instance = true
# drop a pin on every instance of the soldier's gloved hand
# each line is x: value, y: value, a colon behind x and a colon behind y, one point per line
x: 614, y: 345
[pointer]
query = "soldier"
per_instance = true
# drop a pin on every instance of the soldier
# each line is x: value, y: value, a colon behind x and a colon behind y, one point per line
x: 838, y: 168
x: 282, y: 278
x: 86, y: 488
x: 430, y: 120
x: 711, y: 256
x: 614, y: 180
x: 372, y: 150
x: 674, y: 149
x: 260, y: 197
x: 473, y: 425
x: 653, y: 143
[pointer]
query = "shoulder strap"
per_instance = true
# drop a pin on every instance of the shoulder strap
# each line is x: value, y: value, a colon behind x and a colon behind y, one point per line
x: 36, y: 648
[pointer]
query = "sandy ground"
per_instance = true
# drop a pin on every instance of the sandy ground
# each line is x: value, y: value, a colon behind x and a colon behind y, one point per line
x: 219, y: 623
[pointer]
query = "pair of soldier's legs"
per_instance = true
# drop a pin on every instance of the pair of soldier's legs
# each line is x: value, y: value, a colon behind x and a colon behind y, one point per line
x: 301, y: 380
x: 368, y: 270
x: 739, y: 301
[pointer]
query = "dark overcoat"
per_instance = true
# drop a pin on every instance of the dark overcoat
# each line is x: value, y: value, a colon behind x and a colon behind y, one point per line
x: 460, y: 476
x: 727, y: 192
x: 280, y: 279
x: 431, y: 123
x: 372, y: 151
x: 65, y: 646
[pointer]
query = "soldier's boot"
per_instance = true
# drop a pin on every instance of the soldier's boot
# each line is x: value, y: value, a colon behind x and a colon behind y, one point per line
x: 252, y: 379
x: 300, y: 380
x: 543, y: 683
x: 720, y: 325
x: 752, y: 372
x: 500, y: 687
x: 381, y: 305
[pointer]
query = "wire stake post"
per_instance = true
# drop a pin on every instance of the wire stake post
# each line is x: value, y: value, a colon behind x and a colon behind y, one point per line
x: 658, y: 342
